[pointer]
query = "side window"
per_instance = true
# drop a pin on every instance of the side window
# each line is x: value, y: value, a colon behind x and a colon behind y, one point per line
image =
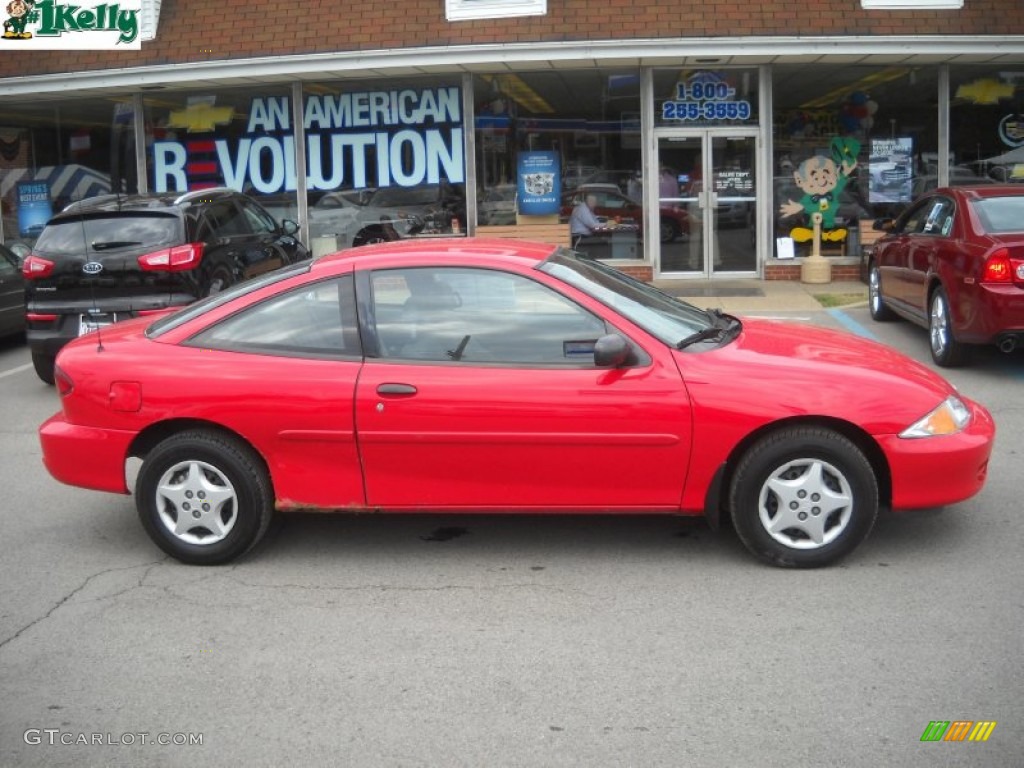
x: 314, y: 321
x: 915, y: 219
x: 225, y: 219
x: 458, y: 315
x: 939, y: 220
x: 257, y: 219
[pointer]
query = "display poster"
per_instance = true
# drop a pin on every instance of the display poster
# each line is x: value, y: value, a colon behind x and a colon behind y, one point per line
x: 539, y: 183
x: 891, y: 170
x: 34, y: 207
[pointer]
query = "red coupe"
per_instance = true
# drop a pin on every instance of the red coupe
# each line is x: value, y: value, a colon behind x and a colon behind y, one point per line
x: 491, y: 375
x: 953, y: 263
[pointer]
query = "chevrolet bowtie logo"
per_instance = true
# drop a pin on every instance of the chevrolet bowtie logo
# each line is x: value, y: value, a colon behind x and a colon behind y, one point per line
x: 200, y: 118
x: 985, y: 91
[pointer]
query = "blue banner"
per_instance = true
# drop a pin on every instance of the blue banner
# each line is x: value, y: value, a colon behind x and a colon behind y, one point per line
x: 34, y: 207
x: 539, y: 183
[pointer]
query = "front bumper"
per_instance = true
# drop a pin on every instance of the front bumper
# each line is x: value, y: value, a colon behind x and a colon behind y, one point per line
x: 86, y: 457
x: 935, y: 471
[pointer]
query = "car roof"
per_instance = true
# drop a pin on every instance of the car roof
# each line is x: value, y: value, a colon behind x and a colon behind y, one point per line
x: 475, y: 251
x: 977, y: 191
x: 113, y: 203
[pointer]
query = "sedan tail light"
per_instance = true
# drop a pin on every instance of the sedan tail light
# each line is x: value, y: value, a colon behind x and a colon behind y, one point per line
x: 180, y: 258
x: 36, y: 267
x: 1001, y: 268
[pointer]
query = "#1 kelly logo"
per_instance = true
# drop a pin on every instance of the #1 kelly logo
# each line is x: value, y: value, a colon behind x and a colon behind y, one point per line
x: 52, y: 25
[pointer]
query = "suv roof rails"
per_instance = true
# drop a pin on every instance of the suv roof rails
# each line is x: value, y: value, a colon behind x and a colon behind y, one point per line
x: 211, y: 192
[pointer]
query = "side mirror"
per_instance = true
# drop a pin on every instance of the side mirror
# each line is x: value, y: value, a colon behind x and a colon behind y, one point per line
x: 289, y: 227
x: 883, y: 225
x: 611, y: 351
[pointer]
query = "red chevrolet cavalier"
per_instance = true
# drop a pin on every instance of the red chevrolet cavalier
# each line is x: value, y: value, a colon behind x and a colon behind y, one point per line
x: 483, y: 375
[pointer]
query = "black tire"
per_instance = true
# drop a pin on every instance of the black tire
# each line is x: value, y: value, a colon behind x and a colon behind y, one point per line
x: 876, y: 304
x: 946, y: 350
x: 830, y: 491
x: 189, y: 465
x: 668, y: 230
x: 44, y: 364
x: 219, y: 278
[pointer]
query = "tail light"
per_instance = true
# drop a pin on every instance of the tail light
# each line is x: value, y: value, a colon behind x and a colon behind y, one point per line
x: 1000, y: 268
x: 63, y: 381
x: 36, y: 267
x: 180, y: 258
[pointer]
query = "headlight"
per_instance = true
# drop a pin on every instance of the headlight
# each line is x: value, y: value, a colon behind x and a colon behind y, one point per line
x: 948, y: 418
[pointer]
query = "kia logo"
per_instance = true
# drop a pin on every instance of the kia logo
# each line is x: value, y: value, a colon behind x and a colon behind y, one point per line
x: 92, y: 268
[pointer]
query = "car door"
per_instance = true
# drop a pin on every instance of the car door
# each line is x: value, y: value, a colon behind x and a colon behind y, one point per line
x: 483, y: 394
x: 12, y: 294
x: 893, y: 256
x: 933, y: 232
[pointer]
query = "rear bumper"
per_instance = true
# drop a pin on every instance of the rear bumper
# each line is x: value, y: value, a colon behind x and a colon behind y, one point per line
x: 935, y: 471
x: 995, y: 313
x: 86, y: 457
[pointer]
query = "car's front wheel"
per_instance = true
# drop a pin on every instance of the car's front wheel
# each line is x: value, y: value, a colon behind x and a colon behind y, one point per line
x: 204, y: 498
x: 876, y: 304
x: 803, y: 497
x: 946, y: 350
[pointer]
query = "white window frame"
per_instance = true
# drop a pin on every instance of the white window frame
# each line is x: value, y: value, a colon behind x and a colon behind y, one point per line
x: 911, y: 5
x: 463, y: 10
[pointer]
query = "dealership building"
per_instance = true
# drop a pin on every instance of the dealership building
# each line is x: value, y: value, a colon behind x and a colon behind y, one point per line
x: 697, y: 126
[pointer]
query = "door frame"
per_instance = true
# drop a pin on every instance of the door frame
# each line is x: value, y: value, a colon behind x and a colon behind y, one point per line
x: 709, y: 198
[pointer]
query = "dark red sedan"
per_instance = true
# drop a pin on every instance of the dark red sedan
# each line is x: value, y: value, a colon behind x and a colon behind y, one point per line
x: 953, y: 263
x: 464, y: 375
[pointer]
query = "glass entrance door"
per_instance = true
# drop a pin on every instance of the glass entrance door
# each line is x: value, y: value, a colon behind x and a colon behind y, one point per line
x: 707, y: 204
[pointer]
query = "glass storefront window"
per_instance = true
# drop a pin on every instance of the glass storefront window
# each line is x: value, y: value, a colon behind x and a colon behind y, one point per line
x: 986, y: 125
x: 55, y: 153
x: 546, y: 141
x: 384, y: 159
x: 850, y: 144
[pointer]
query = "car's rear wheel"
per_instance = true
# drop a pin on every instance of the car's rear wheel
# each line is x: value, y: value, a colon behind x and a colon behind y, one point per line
x: 803, y: 497
x: 204, y: 498
x: 220, y: 277
x: 43, y: 363
x: 946, y: 350
x: 876, y: 304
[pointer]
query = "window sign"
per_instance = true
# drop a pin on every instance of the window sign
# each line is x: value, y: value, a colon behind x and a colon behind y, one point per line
x: 540, y: 183
x: 706, y: 97
x: 891, y: 170
x: 34, y: 207
x: 403, y: 137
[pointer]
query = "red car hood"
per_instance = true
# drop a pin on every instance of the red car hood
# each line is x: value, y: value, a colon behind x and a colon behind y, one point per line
x: 777, y: 369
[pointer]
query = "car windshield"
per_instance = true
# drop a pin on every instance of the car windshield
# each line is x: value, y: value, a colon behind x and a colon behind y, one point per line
x: 663, y: 316
x: 183, y: 315
x: 1001, y: 214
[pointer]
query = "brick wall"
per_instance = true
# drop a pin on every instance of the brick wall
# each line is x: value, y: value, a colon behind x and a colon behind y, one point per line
x: 193, y: 32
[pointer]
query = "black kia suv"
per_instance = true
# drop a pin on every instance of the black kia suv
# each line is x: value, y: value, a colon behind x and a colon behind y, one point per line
x: 112, y: 257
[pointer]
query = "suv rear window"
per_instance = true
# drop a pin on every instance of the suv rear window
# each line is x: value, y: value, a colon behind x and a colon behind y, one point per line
x: 105, y: 233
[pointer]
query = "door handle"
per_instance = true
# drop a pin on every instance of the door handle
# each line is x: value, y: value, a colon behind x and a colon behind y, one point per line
x: 396, y: 389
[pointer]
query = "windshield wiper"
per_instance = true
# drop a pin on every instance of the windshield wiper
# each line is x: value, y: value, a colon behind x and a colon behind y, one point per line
x: 705, y: 334
x: 725, y: 326
x: 106, y: 246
